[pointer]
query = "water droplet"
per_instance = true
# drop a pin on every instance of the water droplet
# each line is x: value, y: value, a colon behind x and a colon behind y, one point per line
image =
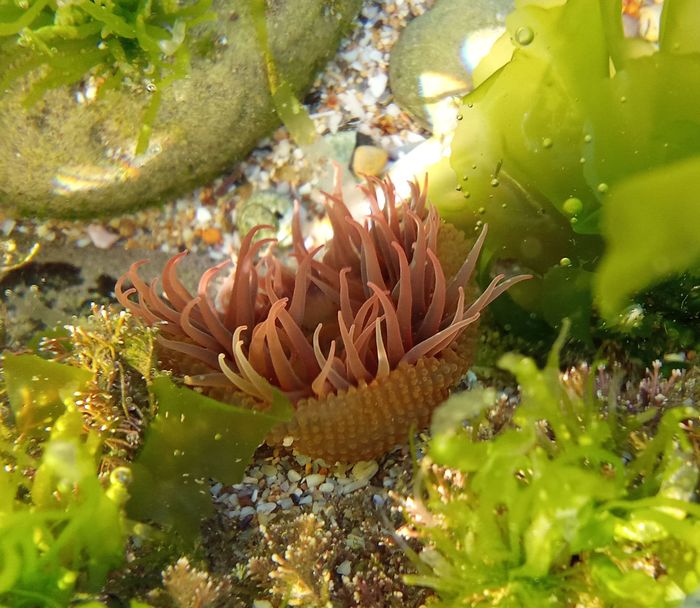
x: 458, y: 188
x: 459, y: 117
x: 495, y: 182
x: 582, y: 160
x: 470, y: 105
x: 482, y: 210
x: 467, y: 194
x: 573, y: 220
x: 602, y: 187
x: 572, y: 206
x: 587, y: 138
x: 565, y: 262
x: 524, y: 36
x: 547, y: 142
x: 623, y: 99
x: 465, y: 177
x: 504, y: 205
x: 474, y: 167
x: 218, y: 437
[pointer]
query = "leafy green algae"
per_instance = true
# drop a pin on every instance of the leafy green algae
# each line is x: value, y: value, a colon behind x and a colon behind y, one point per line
x: 574, y: 504
x: 550, y: 143
x: 61, y: 531
x: 192, y: 439
x: 142, y: 43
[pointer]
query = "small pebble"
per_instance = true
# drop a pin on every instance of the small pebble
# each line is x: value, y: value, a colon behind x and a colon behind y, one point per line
x: 345, y: 568
x: 101, y: 237
x: 293, y: 476
x: 365, y: 469
x: 266, y: 507
x: 285, y: 503
x: 269, y: 470
x: 314, y: 480
x: 369, y: 160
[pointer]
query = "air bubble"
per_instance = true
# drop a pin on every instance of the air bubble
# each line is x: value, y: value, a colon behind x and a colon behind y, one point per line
x: 602, y: 187
x: 524, y: 36
x: 587, y: 138
x: 565, y: 262
x: 572, y: 206
x: 495, y: 182
x: 547, y: 142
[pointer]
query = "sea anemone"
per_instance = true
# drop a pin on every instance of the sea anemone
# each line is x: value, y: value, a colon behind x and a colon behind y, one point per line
x: 365, y: 340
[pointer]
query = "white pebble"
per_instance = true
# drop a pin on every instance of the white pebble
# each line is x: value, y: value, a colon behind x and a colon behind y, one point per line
x: 314, y: 480
x: 377, y: 84
x: 293, y: 476
x: 285, y: 503
x: 345, y: 568
x: 246, y: 511
x: 365, y: 469
x: 326, y: 487
x: 355, y: 485
x: 266, y: 507
x: 203, y: 215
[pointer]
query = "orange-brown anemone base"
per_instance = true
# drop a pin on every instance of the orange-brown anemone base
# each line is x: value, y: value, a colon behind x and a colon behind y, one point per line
x: 363, y: 422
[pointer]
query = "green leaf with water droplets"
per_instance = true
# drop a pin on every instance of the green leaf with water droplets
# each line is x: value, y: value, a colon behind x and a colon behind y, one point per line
x: 38, y: 390
x: 194, y: 438
x: 651, y: 223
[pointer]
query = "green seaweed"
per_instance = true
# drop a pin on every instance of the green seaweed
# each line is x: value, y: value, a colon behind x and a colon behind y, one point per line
x: 550, y: 144
x: 657, y: 241
x: 289, y: 110
x: 61, y: 531
x: 38, y: 390
x: 563, y: 507
x: 141, y: 42
x: 194, y: 438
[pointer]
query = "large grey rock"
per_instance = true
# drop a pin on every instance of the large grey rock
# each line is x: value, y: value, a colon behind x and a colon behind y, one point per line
x: 64, y: 158
x: 436, y: 53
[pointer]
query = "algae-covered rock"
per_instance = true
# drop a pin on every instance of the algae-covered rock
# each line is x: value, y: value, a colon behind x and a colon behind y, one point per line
x: 437, y: 52
x: 71, y: 158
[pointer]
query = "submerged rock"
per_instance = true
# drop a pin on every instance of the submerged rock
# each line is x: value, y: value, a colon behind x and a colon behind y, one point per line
x: 436, y: 54
x: 71, y: 158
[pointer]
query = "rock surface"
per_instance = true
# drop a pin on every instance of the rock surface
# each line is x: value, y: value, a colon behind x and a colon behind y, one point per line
x: 63, y: 281
x: 437, y: 52
x: 70, y: 159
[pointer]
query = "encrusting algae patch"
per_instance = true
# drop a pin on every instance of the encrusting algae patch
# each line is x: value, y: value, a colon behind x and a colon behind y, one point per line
x: 365, y: 334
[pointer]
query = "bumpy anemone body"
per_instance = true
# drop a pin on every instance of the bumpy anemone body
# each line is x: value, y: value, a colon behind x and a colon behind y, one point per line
x: 365, y: 335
